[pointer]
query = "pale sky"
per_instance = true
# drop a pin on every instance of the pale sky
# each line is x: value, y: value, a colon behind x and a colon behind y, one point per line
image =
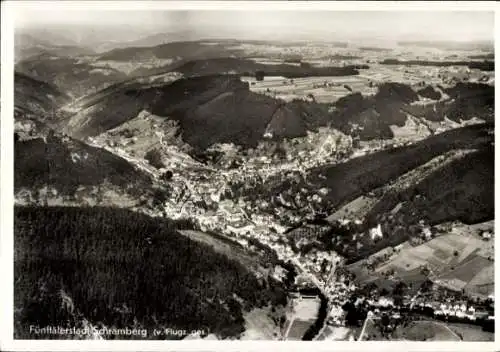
x: 321, y: 25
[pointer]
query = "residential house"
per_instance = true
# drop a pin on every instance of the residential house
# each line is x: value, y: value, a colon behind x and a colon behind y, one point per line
x: 376, y: 232
x: 486, y: 235
x: 385, y: 302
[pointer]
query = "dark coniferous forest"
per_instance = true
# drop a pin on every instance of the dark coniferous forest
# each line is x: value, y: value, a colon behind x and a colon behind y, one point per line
x: 123, y: 269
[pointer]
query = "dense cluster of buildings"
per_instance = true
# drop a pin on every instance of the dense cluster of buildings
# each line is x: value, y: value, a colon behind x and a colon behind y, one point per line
x: 210, y: 203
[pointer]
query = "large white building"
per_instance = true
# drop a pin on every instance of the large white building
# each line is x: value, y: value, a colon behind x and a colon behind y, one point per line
x: 376, y: 232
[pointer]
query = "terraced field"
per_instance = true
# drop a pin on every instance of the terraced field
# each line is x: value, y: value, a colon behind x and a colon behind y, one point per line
x: 457, y: 261
x: 324, y: 89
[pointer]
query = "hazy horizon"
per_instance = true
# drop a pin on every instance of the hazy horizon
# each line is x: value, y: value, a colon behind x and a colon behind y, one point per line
x: 93, y: 26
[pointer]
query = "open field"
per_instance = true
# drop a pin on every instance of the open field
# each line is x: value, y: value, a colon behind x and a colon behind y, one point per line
x: 137, y: 135
x: 324, y: 89
x: 412, y: 130
x: 259, y: 326
x: 306, y: 309
x: 482, y: 285
x: 468, y: 269
x: 303, y: 314
x: 410, y: 274
x: 422, y: 330
x: 426, y: 331
x: 416, y: 74
x: 266, y: 61
x: 412, y: 76
x: 486, y: 248
x: 357, y: 209
x: 457, y: 260
x: 469, y: 332
x: 371, y: 332
x: 438, y: 254
x: 298, y: 329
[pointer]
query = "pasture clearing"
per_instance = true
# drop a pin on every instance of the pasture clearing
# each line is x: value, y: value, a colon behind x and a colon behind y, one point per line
x: 259, y: 325
x: 467, y: 270
x: 411, y: 131
x: 485, y: 248
x: 483, y: 282
x: 128, y: 67
x: 439, y: 254
x: 303, y: 314
x: 425, y: 330
x: 483, y: 226
x: 298, y: 329
x: 306, y: 309
x: 371, y: 332
x: 469, y: 332
x: 456, y: 261
x: 357, y: 209
x: 399, y: 73
x: 325, y: 89
x: 484, y: 276
x: 363, y: 275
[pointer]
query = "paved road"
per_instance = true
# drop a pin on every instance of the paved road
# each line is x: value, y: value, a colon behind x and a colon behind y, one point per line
x: 360, y: 338
x: 285, y: 335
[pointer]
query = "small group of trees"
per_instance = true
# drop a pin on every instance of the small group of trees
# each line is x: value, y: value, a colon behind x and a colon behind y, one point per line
x: 154, y: 158
x: 167, y: 175
x: 160, y: 196
x: 259, y: 75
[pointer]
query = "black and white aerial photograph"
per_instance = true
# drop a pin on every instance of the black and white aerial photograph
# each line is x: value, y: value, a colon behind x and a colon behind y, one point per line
x: 259, y: 173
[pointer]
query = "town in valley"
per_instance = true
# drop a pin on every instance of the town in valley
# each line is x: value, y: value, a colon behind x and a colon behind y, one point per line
x: 301, y: 187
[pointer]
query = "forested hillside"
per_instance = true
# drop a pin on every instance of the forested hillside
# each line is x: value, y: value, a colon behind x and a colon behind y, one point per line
x: 220, y: 108
x: 358, y: 176
x: 123, y: 269
x: 66, y: 165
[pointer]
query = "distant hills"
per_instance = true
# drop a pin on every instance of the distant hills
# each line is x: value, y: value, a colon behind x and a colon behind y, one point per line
x: 70, y: 75
x: 485, y: 45
x: 480, y: 65
x: 490, y: 56
x: 250, y: 67
x: 182, y: 49
x: 36, y: 98
x: 79, y: 71
x: 29, y: 45
x: 230, y: 113
x: 78, y: 77
x: 103, y: 140
x: 223, y: 105
x: 226, y: 108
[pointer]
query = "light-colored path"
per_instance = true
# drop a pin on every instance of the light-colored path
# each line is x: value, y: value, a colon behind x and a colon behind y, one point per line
x: 360, y: 338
